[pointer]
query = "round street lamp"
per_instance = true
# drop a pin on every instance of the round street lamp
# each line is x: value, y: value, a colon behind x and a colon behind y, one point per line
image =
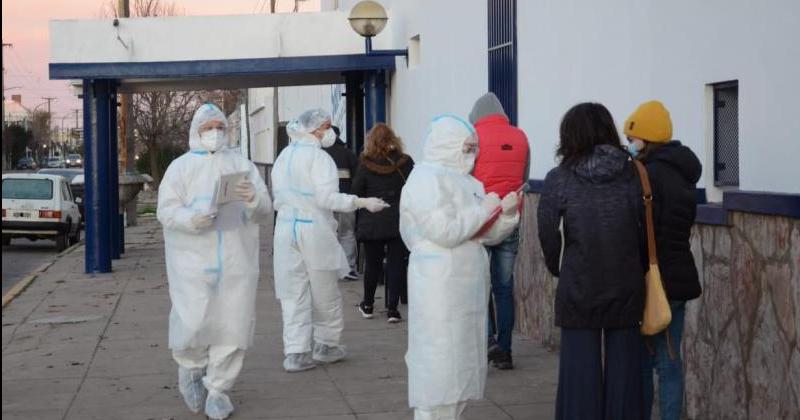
x: 368, y: 18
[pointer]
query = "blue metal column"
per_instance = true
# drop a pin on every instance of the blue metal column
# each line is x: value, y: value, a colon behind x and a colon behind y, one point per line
x: 113, y: 169
x: 95, y: 143
x: 375, y: 98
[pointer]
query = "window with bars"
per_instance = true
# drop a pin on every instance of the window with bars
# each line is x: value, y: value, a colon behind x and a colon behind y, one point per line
x: 503, y: 54
x: 726, y: 134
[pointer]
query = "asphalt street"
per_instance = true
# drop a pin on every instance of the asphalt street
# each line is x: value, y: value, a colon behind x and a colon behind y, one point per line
x: 24, y: 256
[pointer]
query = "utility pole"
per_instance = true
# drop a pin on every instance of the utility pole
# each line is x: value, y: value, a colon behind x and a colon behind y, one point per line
x: 49, y: 122
x: 3, y: 118
x: 127, y: 149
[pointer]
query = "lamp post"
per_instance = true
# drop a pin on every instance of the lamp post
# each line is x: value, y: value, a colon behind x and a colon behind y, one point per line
x: 368, y: 18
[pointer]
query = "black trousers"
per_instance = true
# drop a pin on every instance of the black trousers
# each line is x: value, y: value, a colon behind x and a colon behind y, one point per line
x: 394, y: 250
x: 591, y: 387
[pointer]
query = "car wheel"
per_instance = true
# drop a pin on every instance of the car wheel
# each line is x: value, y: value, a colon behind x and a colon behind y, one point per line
x: 62, y: 240
x: 77, y: 237
x: 6, y: 240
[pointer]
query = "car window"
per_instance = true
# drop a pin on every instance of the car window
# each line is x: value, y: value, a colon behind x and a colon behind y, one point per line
x: 27, y: 189
x: 65, y: 192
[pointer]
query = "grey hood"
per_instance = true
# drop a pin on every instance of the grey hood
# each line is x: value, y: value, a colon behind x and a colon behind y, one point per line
x: 486, y: 105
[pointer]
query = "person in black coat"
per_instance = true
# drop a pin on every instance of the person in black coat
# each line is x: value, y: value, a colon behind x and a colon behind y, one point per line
x: 673, y: 170
x: 594, y: 199
x: 382, y: 172
x: 346, y: 164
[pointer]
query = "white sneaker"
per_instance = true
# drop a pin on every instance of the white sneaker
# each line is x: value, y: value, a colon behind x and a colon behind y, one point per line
x: 297, y: 362
x: 328, y: 354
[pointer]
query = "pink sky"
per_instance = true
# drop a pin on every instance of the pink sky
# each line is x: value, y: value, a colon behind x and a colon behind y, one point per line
x: 25, y: 25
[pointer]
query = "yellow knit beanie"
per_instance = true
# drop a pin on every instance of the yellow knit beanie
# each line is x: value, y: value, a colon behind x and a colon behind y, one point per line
x: 650, y: 122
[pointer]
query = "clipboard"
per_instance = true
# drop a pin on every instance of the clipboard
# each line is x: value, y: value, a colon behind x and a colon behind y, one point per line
x: 496, y: 215
x: 225, y: 186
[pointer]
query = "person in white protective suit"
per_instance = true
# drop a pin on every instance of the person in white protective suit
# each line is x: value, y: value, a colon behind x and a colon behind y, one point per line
x: 308, y: 259
x: 212, y: 262
x: 443, y: 209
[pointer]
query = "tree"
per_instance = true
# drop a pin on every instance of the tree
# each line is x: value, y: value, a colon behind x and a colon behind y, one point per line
x: 41, y: 132
x: 161, y: 120
x: 16, y: 138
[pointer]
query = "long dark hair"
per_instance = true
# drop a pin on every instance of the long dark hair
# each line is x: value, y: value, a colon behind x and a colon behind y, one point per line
x: 583, y: 127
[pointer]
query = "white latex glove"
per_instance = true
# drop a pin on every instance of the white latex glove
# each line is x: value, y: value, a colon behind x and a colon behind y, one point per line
x: 245, y: 190
x: 491, y: 202
x: 372, y: 204
x: 510, y: 204
x: 202, y: 221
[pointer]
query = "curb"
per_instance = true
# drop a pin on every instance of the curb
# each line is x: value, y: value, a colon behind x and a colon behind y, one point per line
x: 23, y: 284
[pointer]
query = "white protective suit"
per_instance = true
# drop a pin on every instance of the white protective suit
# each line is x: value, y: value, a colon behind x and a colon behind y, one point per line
x: 212, y: 272
x: 308, y: 259
x: 448, y: 273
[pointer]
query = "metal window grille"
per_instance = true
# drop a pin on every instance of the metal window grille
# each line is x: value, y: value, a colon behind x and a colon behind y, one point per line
x: 726, y: 134
x: 503, y: 54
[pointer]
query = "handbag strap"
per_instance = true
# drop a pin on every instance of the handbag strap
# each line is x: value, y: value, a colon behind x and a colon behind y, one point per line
x: 397, y: 168
x: 648, y: 207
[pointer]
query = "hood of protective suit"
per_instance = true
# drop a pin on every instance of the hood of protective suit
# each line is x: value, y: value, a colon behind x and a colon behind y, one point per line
x: 445, y: 141
x: 305, y: 124
x: 204, y: 114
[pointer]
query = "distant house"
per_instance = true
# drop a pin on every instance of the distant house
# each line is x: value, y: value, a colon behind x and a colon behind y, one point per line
x: 16, y: 113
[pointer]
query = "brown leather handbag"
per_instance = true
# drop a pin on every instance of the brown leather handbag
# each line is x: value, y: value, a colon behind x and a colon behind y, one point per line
x: 657, y: 313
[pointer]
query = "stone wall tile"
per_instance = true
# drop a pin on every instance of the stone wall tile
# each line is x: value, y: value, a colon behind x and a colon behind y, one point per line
x: 698, y: 358
x: 767, y: 364
x: 747, y: 282
x: 782, y: 293
x: 726, y: 395
x: 792, y: 392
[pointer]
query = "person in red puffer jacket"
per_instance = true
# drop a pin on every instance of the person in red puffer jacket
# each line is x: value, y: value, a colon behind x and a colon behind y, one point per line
x: 502, y: 166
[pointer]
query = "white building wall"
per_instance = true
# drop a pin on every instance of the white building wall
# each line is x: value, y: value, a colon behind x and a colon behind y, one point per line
x: 624, y: 52
x: 452, y: 72
x: 262, y: 138
x: 292, y: 101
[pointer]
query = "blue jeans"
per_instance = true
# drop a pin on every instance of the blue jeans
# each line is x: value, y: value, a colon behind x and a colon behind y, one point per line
x: 670, y: 371
x: 501, y: 262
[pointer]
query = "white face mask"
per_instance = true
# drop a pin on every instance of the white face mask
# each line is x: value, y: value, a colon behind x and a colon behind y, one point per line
x: 328, y: 138
x: 212, y: 140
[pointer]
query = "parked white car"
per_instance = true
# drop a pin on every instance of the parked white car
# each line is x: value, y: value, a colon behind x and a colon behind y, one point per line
x: 40, y: 206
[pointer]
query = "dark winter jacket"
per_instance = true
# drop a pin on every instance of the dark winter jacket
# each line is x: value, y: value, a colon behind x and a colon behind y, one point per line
x: 385, y: 180
x: 601, y: 278
x: 674, y: 170
x: 346, y: 163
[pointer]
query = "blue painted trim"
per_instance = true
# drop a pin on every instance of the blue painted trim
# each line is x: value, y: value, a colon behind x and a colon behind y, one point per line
x: 775, y: 204
x: 712, y: 214
x: 768, y: 203
x: 535, y: 186
x: 222, y: 68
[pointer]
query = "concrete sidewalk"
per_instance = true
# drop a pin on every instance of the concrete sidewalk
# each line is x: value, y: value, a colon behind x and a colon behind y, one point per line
x: 95, y: 347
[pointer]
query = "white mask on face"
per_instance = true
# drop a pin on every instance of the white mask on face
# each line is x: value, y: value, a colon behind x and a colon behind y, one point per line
x: 212, y: 140
x: 328, y: 138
